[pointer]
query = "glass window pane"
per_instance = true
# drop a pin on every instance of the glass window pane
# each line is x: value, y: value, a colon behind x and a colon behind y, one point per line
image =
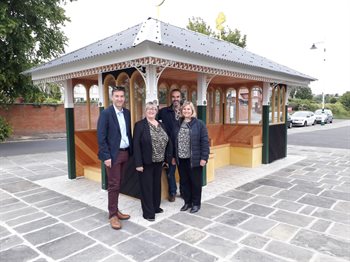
x: 184, y: 93
x: 194, y: 98
x: 163, y: 96
x: 139, y: 97
x: 281, y: 113
x: 256, y: 111
x: 230, y: 110
x: 217, y: 118
x: 123, y: 80
x: 243, y: 102
x: 210, y: 106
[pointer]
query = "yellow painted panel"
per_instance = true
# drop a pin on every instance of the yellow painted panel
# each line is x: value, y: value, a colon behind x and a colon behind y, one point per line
x: 164, y: 185
x: 241, y: 156
x: 211, y: 168
x: 92, y: 173
x: 221, y: 156
x: 247, y: 157
x: 257, y: 157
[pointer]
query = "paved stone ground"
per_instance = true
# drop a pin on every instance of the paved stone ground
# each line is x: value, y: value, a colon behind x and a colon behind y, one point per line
x: 296, y: 209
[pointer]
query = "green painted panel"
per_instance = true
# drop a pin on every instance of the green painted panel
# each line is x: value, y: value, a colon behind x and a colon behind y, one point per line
x: 70, y: 142
x: 104, y: 181
x: 202, y: 115
x: 265, y: 133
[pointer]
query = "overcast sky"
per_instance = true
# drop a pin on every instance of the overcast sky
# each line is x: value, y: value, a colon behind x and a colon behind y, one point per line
x: 281, y: 30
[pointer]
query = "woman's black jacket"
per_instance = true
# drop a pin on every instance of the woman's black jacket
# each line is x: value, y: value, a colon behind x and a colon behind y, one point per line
x: 143, y: 144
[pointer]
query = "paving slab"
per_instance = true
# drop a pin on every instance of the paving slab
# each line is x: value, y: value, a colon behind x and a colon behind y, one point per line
x: 169, y: 227
x: 255, y: 241
x: 134, y: 248
x: 258, y: 225
x: 282, y: 232
x: 249, y: 254
x: 18, y: 253
x: 289, y: 251
x: 322, y: 243
x: 66, y: 246
x: 92, y: 254
x: 224, y: 231
x: 218, y: 246
x: 48, y: 233
x: 193, y: 253
x: 192, y: 236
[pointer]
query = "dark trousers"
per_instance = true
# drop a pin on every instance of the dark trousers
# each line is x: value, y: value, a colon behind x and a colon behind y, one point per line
x: 191, y: 181
x: 114, y: 175
x: 170, y: 172
x: 150, y: 185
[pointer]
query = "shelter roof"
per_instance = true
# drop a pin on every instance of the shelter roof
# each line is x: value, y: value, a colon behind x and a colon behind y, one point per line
x: 173, y: 37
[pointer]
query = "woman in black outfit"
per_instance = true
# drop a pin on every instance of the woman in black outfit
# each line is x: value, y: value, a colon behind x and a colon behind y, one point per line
x: 192, y: 153
x: 152, y: 147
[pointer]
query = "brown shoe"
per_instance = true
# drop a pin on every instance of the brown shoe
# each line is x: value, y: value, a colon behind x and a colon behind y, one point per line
x: 122, y: 216
x: 115, y: 224
x: 171, y: 198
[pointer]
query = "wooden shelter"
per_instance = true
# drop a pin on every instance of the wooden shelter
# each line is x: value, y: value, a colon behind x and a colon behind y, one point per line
x: 241, y: 96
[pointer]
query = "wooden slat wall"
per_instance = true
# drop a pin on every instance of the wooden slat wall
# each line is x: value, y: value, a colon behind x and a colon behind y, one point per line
x: 86, y: 148
x: 216, y: 136
x: 238, y: 134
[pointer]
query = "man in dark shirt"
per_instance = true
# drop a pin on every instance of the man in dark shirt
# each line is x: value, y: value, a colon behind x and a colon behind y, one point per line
x: 169, y: 117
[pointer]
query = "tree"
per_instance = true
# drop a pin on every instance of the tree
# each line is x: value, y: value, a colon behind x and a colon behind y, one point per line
x: 197, y: 24
x: 303, y: 93
x: 345, y: 100
x: 234, y: 37
x: 333, y: 100
x: 30, y: 33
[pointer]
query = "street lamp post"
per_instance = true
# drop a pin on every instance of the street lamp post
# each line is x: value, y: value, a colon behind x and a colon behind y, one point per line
x: 314, y: 47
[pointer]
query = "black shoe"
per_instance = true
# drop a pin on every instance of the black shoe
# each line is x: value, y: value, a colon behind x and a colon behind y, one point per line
x: 185, y: 207
x: 171, y: 198
x: 150, y: 219
x: 195, y: 209
x: 159, y: 210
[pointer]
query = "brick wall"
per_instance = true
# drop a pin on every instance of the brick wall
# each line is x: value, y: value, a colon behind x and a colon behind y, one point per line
x: 30, y: 120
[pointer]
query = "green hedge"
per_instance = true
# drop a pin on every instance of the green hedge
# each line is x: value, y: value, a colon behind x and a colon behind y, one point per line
x: 339, y: 111
x: 5, y: 129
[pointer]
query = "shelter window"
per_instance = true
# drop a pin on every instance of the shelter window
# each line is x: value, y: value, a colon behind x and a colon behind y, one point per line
x: 184, y: 93
x: 139, y: 97
x: 162, y: 95
x: 243, y: 103
x: 256, y: 108
x: 194, y: 97
x: 123, y: 80
x: 210, y: 106
x: 217, y: 108
x: 277, y: 105
x: 230, y: 110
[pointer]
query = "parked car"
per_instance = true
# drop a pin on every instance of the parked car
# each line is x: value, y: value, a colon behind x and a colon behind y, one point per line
x: 289, y: 120
x: 325, y: 116
x: 303, y: 118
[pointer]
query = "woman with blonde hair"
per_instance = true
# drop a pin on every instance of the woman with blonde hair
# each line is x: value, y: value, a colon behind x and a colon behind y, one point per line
x: 191, y: 153
x: 152, y: 147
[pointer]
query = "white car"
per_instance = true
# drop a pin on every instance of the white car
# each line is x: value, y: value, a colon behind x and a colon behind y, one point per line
x: 324, y: 115
x: 303, y: 118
